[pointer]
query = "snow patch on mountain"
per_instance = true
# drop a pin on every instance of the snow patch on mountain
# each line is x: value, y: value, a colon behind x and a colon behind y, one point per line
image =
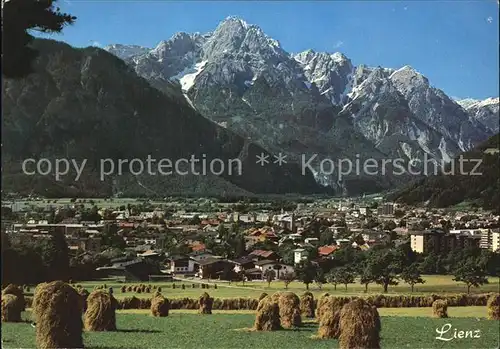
x: 485, y: 112
x: 467, y: 102
x: 470, y: 102
x: 407, y: 150
x: 348, y: 87
x: 187, y: 77
x: 339, y: 57
x: 423, y: 139
x: 487, y: 102
x: 189, y: 101
x: 247, y: 102
x: 444, y: 151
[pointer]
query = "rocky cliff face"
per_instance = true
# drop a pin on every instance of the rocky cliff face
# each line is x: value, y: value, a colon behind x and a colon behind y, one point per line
x: 310, y: 102
x: 437, y: 110
x: 331, y: 73
x: 383, y: 114
x: 486, y: 112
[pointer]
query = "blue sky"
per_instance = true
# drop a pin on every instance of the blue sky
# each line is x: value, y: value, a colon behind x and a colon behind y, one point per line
x: 454, y: 43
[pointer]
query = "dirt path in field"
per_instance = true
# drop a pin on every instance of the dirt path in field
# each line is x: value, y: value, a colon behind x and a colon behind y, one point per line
x: 224, y: 284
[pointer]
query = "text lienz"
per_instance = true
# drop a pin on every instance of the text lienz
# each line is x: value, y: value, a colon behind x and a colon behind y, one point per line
x: 446, y: 333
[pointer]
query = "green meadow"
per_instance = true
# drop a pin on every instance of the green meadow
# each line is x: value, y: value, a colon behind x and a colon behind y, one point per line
x: 185, y: 329
x: 438, y: 284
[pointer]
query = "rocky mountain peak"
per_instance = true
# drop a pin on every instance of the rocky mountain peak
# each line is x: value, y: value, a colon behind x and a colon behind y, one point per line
x: 368, y: 82
x: 377, y: 73
x: 486, y: 112
x: 408, y: 78
x: 305, y: 56
x: 234, y: 20
x: 160, y: 48
x: 339, y: 57
x: 237, y: 37
x: 470, y: 102
x: 179, y: 44
x: 180, y: 36
x: 330, y: 72
x: 467, y: 102
x: 494, y: 102
x: 126, y: 51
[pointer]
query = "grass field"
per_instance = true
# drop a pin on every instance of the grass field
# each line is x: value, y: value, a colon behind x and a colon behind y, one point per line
x: 117, y: 202
x: 187, y: 330
x: 439, y: 284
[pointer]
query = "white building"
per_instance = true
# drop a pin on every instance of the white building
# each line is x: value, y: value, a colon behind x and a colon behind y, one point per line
x: 364, y: 210
x: 299, y: 254
x: 495, y: 241
x: 263, y: 217
x: 268, y: 264
x: 182, y: 265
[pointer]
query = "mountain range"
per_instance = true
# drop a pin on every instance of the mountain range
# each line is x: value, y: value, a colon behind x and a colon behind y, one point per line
x: 231, y: 93
x: 312, y: 102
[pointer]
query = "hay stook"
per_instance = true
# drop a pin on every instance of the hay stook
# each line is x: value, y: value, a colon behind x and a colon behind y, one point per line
x: 100, y: 314
x: 289, y: 310
x: 11, y: 308
x: 160, y: 306
x: 205, y: 303
x: 493, y: 306
x: 268, y: 317
x: 57, y: 313
x: 307, y: 307
x: 359, y: 326
x: 440, y: 308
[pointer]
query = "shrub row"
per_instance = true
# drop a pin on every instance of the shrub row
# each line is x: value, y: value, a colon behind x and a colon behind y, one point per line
x: 140, y: 288
x: 151, y: 288
x: 457, y: 300
x: 386, y: 301
x: 190, y: 303
x: 380, y: 301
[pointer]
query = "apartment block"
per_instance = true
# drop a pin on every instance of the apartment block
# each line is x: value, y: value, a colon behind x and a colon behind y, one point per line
x: 439, y: 242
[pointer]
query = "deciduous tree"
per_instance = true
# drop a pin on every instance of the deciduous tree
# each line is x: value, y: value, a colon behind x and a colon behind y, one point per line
x: 306, y: 272
x: 269, y: 275
x: 331, y: 277
x: 287, y: 278
x: 345, y: 276
x: 385, y: 266
x: 411, y: 275
x: 470, y: 272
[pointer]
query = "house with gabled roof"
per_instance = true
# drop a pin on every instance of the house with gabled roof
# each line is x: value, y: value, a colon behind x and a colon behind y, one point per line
x: 243, y: 263
x: 212, y: 267
x: 279, y: 268
x: 132, y: 270
x: 327, y: 251
x: 263, y: 254
x: 181, y: 264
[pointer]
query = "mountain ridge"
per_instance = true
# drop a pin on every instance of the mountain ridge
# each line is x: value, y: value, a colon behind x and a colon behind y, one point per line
x: 244, y: 80
x: 484, y: 111
x: 479, y: 183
